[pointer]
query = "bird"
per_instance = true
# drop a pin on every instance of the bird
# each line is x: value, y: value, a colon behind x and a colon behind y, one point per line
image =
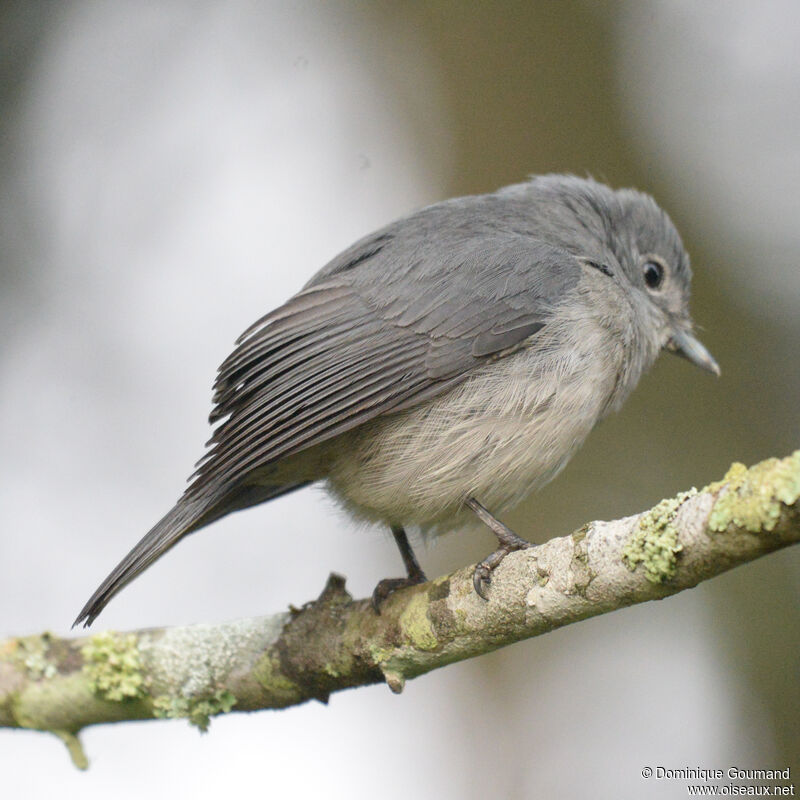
x: 443, y: 367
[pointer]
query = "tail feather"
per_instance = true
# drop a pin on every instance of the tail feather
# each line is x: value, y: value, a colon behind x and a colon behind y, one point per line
x: 188, y: 515
x: 179, y: 521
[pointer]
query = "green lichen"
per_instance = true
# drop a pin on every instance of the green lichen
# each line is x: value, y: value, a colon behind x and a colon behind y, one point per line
x: 31, y: 653
x: 416, y: 625
x: 753, y: 498
x: 381, y: 655
x: 654, y: 544
x: 198, y: 710
x: 113, y: 666
x: 269, y: 676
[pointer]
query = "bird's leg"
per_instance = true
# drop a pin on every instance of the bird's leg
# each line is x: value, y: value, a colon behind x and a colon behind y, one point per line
x: 415, y: 573
x: 509, y: 542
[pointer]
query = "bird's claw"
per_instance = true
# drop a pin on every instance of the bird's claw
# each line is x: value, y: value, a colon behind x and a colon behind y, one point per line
x: 389, y: 586
x: 507, y: 539
x: 481, y: 576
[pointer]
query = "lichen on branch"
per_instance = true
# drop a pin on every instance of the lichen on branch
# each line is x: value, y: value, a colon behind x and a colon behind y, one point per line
x: 196, y: 672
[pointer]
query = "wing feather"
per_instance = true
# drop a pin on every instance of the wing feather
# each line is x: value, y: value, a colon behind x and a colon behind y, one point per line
x: 360, y: 342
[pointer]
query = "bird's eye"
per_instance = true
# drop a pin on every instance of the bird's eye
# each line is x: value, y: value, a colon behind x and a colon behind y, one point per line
x: 653, y: 274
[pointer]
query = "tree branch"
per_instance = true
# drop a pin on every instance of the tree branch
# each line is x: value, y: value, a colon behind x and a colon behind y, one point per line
x: 62, y: 685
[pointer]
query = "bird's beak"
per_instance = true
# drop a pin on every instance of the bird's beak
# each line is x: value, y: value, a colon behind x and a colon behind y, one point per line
x: 682, y: 343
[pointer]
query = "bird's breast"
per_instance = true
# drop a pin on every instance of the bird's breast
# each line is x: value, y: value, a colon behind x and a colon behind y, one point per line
x: 506, y: 430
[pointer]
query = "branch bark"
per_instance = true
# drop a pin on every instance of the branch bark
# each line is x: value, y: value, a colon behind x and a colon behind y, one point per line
x: 62, y: 685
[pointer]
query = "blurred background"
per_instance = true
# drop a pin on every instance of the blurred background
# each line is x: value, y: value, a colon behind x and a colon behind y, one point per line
x: 169, y: 171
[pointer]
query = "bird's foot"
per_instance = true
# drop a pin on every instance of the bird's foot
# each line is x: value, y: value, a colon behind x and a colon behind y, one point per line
x: 482, y: 576
x: 508, y: 540
x: 389, y: 586
x: 415, y: 574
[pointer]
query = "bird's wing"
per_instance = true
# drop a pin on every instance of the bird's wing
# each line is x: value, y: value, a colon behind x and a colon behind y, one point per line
x: 373, y: 337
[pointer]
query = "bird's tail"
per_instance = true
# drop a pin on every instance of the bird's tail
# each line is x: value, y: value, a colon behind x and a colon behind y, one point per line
x: 188, y: 515
x: 182, y: 519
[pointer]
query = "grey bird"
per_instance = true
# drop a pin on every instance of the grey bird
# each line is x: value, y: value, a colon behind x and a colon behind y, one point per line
x: 443, y: 367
